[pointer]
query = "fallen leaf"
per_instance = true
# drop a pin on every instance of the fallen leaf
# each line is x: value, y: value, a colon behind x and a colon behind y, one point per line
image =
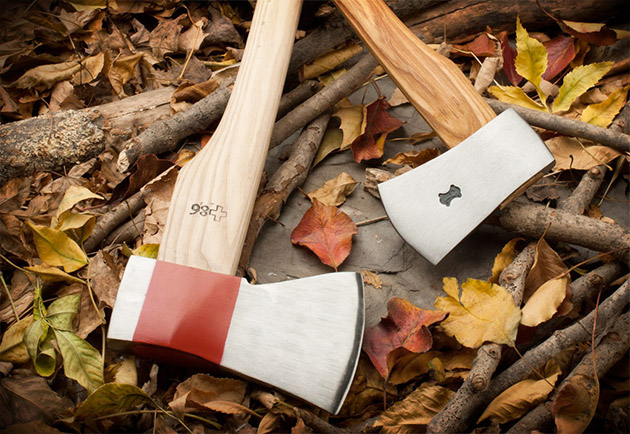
x: 73, y: 195
x: 158, y: 198
x: 55, y: 248
x: 602, y: 114
x: 81, y: 361
x: 571, y: 154
x: 329, y: 61
x: 405, y: 326
x: 164, y: 38
x: 45, y: 76
x: 147, y: 168
x: 112, y: 398
x: 327, y: 232
x: 517, y: 400
x: 560, y: 54
x: 578, y: 81
x: 205, y: 391
x: 104, y: 278
x: 147, y: 250
x: 367, y: 390
x: 515, y: 95
x: 593, y: 33
x: 574, y: 406
x: 122, y: 70
x: 481, y: 46
x: 91, y: 67
x: 531, y: 60
x: 372, y: 279
x: 334, y: 191
x: 543, y: 304
x: 27, y: 397
x: 12, y: 347
x: 192, y: 38
x: 503, y: 259
x: 397, y: 98
x: 509, y: 60
x: 486, y: 313
x: 331, y: 142
x: 78, y: 226
x: 415, y: 411
x: 547, y: 265
x: 52, y: 274
x: 378, y: 123
x: 414, y: 158
x: 189, y: 93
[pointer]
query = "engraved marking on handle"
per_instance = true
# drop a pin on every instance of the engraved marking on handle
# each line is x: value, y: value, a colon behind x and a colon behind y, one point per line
x: 217, y: 212
x: 452, y: 193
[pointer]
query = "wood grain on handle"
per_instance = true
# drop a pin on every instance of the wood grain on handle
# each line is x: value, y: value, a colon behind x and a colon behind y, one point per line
x: 213, y: 198
x: 432, y: 83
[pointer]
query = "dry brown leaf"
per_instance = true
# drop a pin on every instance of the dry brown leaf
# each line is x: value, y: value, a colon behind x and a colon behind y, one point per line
x: 158, y: 198
x: 45, y: 76
x: 334, y: 191
x: 547, y: 265
x: 571, y: 154
x: 503, y: 259
x: 104, y: 278
x: 414, y: 158
x: 575, y: 404
x: 415, y: 411
x: 543, y: 304
x: 518, y: 399
x: 329, y: 61
x: 206, y: 391
x: 366, y: 392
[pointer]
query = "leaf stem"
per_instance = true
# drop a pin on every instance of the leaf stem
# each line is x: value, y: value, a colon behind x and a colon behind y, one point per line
x: 6, y: 288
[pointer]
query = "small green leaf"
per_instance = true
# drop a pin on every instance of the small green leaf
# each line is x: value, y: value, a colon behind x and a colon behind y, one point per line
x: 52, y: 274
x: 112, y: 398
x: 578, y: 81
x: 515, y: 95
x: 62, y: 311
x: 55, y: 248
x: 604, y: 113
x: 531, y: 58
x: 12, y: 347
x: 81, y: 361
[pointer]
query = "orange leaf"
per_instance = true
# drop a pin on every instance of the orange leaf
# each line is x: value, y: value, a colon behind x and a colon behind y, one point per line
x: 326, y: 231
x: 405, y: 326
x: 481, y: 46
x: 377, y: 124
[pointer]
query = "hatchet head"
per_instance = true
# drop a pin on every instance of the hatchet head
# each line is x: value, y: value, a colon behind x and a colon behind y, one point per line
x: 436, y: 205
x: 302, y: 336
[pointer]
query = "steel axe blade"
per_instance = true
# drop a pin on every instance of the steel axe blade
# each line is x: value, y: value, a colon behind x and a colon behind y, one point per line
x: 435, y: 206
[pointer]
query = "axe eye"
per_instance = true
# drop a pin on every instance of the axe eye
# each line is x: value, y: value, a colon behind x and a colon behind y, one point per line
x: 452, y: 193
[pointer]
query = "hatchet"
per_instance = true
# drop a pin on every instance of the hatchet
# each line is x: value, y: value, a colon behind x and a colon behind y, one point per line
x: 301, y: 336
x: 436, y: 205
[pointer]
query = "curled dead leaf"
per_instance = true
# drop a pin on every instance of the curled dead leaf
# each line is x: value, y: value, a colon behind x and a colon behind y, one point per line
x: 334, y: 191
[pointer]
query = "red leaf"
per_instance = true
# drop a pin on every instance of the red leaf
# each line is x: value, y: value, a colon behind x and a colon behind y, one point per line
x: 560, y: 53
x: 593, y: 33
x: 481, y: 46
x: 405, y: 326
x: 509, y: 58
x: 378, y: 123
x: 326, y: 231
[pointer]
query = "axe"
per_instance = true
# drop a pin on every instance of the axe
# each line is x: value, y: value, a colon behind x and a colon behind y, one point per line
x: 435, y: 206
x: 301, y: 336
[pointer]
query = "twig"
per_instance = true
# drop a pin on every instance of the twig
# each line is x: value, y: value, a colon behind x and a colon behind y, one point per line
x: 566, y: 126
x: 584, y: 193
x: 284, y: 181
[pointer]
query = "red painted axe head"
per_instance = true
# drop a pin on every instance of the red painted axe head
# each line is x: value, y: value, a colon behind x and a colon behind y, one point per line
x: 302, y: 336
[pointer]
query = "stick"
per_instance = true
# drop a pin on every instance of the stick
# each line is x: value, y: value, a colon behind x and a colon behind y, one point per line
x: 566, y: 126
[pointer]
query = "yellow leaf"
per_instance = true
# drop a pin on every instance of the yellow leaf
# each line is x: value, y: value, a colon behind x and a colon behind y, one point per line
x: 12, y: 347
x: 517, y: 400
x: 503, y: 259
x: 329, y: 61
x: 515, y: 95
x: 147, y: 250
x: 578, y: 81
x: 122, y: 70
x: 79, y: 226
x: 330, y: 143
x: 486, y: 313
x: 571, y: 154
x: 334, y: 191
x: 57, y: 249
x: 351, y: 126
x: 91, y: 67
x: 52, y: 274
x: 416, y: 410
x: 602, y: 114
x: 531, y: 58
x: 73, y: 195
x: 543, y: 304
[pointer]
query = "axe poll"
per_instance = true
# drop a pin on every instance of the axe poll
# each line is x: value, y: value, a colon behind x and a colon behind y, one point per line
x: 436, y: 205
x: 301, y: 336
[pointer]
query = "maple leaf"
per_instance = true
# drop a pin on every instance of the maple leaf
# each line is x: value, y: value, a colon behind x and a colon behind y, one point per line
x: 327, y: 232
x: 406, y: 326
x: 377, y: 124
x: 485, y: 313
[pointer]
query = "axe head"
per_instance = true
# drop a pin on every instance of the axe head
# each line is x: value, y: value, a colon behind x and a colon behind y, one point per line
x: 301, y: 336
x: 435, y: 206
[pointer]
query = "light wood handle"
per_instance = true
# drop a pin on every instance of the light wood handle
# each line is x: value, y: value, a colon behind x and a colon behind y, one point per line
x: 214, y: 195
x: 432, y: 83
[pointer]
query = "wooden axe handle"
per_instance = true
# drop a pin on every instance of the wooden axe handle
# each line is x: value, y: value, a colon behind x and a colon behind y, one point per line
x: 214, y: 194
x: 435, y: 86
